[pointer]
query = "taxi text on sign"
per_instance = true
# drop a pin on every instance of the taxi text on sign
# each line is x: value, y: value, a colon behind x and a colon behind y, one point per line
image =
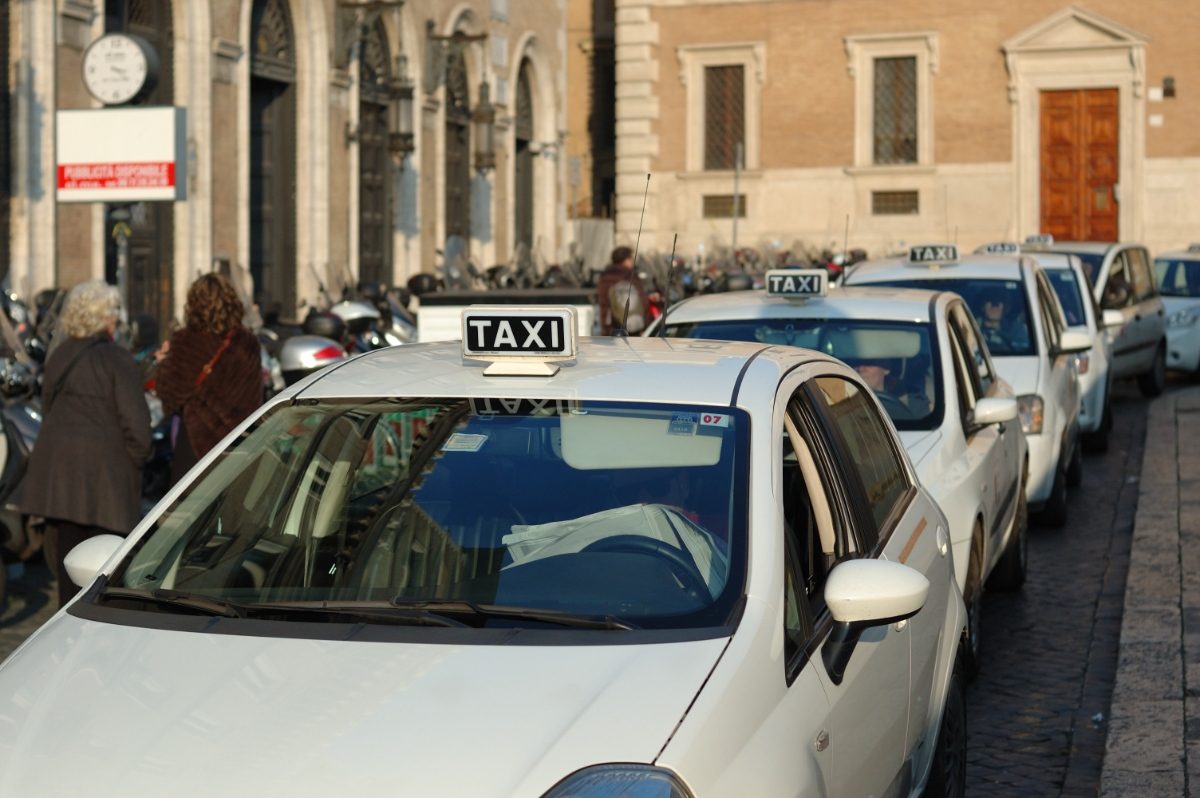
x: 796, y: 282
x: 519, y: 332
x: 933, y: 253
x: 121, y: 154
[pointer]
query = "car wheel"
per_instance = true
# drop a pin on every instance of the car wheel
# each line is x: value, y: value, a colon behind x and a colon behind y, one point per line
x: 1098, y: 441
x: 973, y: 596
x: 1055, y: 511
x: 948, y: 773
x: 1009, y: 573
x: 1154, y: 381
x: 1075, y: 468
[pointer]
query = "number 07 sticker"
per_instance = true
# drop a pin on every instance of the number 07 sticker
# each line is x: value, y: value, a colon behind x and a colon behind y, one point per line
x: 714, y: 420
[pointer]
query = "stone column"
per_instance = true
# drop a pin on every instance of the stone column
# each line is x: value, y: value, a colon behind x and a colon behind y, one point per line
x: 637, y: 114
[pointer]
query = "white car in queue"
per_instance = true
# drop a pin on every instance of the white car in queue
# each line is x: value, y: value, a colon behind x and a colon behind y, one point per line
x: 1178, y: 277
x: 920, y: 352
x: 1082, y: 314
x: 1022, y: 324
x: 519, y: 565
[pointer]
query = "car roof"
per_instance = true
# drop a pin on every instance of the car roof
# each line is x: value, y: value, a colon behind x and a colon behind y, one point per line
x: 975, y: 266
x: 1180, y: 254
x: 1085, y: 247
x: 882, y: 304
x: 1050, y: 260
x: 670, y: 370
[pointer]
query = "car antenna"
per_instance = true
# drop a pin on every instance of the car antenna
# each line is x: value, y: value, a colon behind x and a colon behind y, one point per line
x: 662, y: 330
x: 638, y: 240
x: 846, y: 247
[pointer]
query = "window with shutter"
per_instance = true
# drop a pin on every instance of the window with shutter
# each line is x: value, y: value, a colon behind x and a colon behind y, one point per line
x: 724, y: 115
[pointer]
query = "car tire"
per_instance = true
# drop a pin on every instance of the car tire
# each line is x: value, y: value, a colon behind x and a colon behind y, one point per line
x: 1009, y: 573
x: 1154, y: 381
x: 1054, y: 513
x: 973, y: 596
x: 1075, y: 467
x: 948, y: 773
x: 1098, y: 441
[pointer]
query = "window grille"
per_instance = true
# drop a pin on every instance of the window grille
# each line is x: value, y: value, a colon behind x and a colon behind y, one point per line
x: 720, y: 206
x: 895, y: 203
x: 896, y: 110
x: 724, y: 115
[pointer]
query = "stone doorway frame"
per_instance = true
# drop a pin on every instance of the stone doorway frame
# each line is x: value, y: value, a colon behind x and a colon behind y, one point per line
x: 1077, y: 49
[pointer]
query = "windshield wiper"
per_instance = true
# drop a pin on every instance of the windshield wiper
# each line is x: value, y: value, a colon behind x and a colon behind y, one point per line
x: 175, y: 598
x: 371, y: 611
x: 482, y: 612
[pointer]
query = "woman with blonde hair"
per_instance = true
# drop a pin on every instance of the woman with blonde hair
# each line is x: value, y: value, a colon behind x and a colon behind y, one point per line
x: 210, y: 374
x: 85, y: 474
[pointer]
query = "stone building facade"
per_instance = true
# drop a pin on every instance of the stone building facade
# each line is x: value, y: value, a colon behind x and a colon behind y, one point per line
x: 293, y: 183
x: 907, y: 121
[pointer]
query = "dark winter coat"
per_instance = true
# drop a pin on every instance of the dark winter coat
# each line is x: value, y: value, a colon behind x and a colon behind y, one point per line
x: 87, y: 464
x: 232, y: 391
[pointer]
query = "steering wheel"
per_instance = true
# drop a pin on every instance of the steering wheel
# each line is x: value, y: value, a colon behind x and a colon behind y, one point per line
x: 693, y: 580
x: 894, y: 406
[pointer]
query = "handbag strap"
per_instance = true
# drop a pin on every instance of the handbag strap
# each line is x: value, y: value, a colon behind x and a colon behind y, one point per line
x: 62, y: 381
x: 208, y: 367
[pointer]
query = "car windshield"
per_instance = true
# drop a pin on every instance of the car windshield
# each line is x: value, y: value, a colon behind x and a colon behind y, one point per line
x: 1000, y: 308
x: 1177, y: 277
x: 614, y: 510
x: 1070, y: 295
x: 1091, y: 262
x: 897, y: 359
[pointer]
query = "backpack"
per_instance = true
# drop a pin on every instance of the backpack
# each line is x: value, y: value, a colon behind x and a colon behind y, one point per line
x: 619, y: 294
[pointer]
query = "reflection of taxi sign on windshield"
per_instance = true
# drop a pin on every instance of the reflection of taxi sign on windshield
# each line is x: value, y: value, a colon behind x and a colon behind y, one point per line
x: 1041, y: 239
x: 933, y: 253
x: 1000, y: 248
x: 520, y: 341
x: 796, y: 283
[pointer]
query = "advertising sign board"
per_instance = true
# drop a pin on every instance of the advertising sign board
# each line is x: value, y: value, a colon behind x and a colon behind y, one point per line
x: 121, y: 154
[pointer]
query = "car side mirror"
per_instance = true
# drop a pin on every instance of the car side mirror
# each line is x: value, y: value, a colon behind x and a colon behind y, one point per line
x: 85, y: 560
x: 994, y: 410
x: 1113, y: 318
x: 861, y: 594
x: 1073, y: 342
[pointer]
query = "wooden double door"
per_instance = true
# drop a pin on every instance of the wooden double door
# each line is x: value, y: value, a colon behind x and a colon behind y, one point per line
x: 1080, y: 164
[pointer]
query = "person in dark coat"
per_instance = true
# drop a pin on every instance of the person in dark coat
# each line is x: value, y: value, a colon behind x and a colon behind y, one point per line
x: 617, y: 283
x: 210, y: 371
x: 85, y: 474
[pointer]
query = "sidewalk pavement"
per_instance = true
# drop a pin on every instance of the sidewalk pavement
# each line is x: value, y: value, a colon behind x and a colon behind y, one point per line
x: 1153, y: 746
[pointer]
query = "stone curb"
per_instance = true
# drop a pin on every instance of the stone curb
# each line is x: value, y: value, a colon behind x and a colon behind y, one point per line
x: 1154, y: 719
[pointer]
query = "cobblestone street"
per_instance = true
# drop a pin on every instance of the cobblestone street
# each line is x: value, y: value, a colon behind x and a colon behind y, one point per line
x: 1037, y: 713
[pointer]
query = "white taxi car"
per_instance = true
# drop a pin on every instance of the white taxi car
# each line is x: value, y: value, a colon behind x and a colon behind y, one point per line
x: 1082, y: 314
x: 920, y: 352
x: 1021, y: 321
x: 1178, y: 278
x: 523, y: 565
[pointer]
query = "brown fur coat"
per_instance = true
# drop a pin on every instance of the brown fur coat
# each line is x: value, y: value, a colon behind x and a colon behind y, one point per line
x: 231, y: 392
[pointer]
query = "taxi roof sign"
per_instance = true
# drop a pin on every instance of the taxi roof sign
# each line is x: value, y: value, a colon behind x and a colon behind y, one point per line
x: 933, y: 253
x: 1000, y: 248
x: 519, y: 341
x: 1040, y: 239
x: 797, y: 283
x: 1193, y: 248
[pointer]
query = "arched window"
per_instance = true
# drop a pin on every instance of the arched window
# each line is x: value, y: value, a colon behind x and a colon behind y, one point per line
x: 273, y: 155
x: 150, y: 277
x: 374, y: 163
x: 524, y: 160
x: 458, y: 146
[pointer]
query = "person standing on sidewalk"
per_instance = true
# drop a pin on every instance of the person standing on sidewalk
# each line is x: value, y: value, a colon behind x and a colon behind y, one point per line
x: 620, y: 288
x: 210, y: 371
x: 85, y: 474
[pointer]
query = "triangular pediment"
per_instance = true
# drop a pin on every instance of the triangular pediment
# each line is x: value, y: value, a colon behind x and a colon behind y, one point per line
x: 1072, y: 28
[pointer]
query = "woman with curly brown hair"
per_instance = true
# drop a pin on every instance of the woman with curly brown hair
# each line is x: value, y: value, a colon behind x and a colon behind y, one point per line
x: 210, y: 374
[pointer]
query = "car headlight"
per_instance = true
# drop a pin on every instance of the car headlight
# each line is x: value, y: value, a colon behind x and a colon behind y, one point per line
x: 1083, y: 362
x: 620, y: 781
x: 1182, y: 318
x: 1032, y: 411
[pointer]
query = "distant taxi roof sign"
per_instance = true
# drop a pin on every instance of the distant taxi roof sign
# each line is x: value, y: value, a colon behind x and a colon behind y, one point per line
x: 933, y: 253
x: 1193, y: 247
x: 1041, y: 239
x: 520, y: 341
x: 1000, y: 248
x: 797, y: 283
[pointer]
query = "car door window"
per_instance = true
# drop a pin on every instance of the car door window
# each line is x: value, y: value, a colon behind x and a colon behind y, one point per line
x: 964, y: 377
x: 1118, y: 292
x: 1052, y: 320
x: 974, y: 349
x: 1139, y: 270
x: 869, y: 451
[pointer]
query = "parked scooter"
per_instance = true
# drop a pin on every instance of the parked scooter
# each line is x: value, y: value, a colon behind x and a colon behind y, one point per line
x: 302, y: 355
